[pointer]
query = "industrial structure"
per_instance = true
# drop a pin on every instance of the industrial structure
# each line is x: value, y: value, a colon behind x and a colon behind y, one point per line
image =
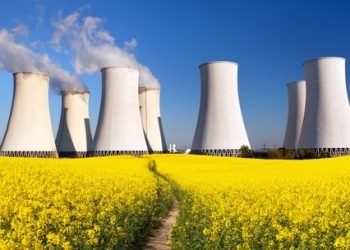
x: 119, y: 128
x: 326, y: 126
x: 74, y: 137
x: 296, y: 108
x: 149, y: 101
x: 220, y: 128
x: 29, y: 130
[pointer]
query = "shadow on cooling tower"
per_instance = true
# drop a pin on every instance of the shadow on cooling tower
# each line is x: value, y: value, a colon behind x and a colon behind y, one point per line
x: 88, y: 133
x: 164, y: 145
x: 147, y: 143
x: 67, y: 141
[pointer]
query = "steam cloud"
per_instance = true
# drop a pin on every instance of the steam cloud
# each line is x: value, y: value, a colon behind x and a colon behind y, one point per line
x: 16, y: 57
x: 94, y: 48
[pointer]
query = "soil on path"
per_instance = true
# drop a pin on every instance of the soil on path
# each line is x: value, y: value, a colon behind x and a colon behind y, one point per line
x: 160, y: 238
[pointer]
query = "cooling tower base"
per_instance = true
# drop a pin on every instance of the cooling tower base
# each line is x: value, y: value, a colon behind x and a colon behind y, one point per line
x: 32, y: 154
x: 73, y: 154
x: 320, y: 151
x: 158, y: 152
x: 117, y: 152
x: 217, y: 152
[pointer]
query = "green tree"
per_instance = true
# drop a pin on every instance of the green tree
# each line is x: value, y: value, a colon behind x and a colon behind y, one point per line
x: 245, y: 152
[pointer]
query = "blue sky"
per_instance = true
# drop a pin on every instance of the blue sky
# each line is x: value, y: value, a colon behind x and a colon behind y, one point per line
x: 269, y: 39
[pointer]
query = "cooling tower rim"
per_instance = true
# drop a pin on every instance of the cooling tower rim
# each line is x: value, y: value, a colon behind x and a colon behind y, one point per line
x: 30, y: 72
x: 119, y: 67
x: 74, y: 92
x: 324, y: 58
x: 296, y: 82
x: 212, y: 62
x: 143, y: 89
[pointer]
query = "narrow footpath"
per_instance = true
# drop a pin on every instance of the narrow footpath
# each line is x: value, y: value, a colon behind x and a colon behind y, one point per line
x: 160, y: 238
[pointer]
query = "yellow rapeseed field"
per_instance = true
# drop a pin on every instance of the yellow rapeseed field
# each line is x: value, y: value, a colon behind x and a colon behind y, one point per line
x: 105, y: 203
x: 236, y: 203
x: 225, y: 203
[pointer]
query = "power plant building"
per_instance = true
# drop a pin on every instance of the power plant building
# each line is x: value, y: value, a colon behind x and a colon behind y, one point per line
x: 74, y: 137
x: 149, y: 100
x: 29, y: 130
x: 220, y: 128
x: 296, y: 108
x: 119, y: 128
x: 326, y: 126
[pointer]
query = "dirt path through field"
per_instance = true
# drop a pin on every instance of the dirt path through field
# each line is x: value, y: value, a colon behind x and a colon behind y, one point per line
x: 160, y: 239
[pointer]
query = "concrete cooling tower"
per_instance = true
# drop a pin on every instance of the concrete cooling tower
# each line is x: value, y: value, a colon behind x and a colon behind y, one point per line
x: 296, y: 108
x: 74, y: 135
x: 326, y: 125
x: 29, y: 131
x: 119, y: 128
x: 149, y: 100
x: 220, y: 128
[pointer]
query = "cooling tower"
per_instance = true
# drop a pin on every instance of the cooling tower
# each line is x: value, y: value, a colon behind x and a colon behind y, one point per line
x: 119, y: 129
x: 326, y: 125
x: 296, y: 108
x: 149, y: 100
x: 74, y: 135
x: 220, y: 128
x: 29, y: 131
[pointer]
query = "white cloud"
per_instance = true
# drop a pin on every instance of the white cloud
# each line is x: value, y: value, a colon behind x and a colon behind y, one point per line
x: 61, y: 28
x: 20, y: 29
x: 16, y: 57
x: 94, y: 48
x: 39, y: 12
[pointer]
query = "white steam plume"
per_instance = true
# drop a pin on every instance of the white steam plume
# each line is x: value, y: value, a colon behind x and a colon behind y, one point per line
x: 16, y: 57
x: 94, y: 48
x: 130, y: 45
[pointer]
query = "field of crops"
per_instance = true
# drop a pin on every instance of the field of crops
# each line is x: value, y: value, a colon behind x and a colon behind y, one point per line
x: 108, y: 203
x: 235, y: 203
x: 225, y: 203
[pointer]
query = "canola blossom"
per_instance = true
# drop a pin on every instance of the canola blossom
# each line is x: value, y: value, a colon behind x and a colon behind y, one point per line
x: 236, y: 203
x: 105, y: 203
x: 225, y: 203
